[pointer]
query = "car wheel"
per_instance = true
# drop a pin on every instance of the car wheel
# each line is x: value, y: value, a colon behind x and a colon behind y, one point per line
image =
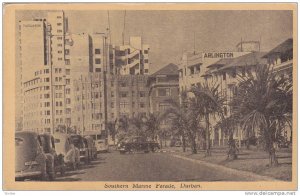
x: 155, y: 149
x: 52, y: 176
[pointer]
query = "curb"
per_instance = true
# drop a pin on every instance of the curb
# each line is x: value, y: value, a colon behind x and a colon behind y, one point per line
x: 245, y: 174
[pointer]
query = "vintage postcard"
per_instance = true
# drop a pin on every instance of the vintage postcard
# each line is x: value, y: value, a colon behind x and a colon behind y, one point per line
x: 150, y: 96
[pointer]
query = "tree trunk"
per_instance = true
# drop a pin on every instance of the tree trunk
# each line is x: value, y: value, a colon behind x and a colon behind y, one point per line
x: 232, y: 152
x: 194, y: 146
x: 272, y: 157
x: 183, y: 143
x: 208, y: 150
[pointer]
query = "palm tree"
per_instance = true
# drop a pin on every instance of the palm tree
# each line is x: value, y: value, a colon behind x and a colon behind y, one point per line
x: 226, y: 124
x: 208, y: 101
x: 264, y: 103
x: 112, y: 129
x: 177, y: 114
x: 139, y: 123
x: 153, y: 125
x: 123, y: 127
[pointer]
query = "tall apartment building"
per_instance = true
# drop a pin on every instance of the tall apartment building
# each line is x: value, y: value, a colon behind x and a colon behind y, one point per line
x: 53, y: 61
x: 133, y: 58
x: 34, y: 67
x: 49, y: 60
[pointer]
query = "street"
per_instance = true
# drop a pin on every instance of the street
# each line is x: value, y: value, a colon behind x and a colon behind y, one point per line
x: 158, y: 166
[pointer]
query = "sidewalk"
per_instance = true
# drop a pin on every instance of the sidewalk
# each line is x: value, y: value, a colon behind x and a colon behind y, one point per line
x: 254, y: 161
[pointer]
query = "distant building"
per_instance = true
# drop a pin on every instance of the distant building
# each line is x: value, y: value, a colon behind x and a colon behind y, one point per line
x: 133, y: 59
x: 163, y: 88
x: 220, y: 68
x: 102, y: 97
x: 280, y: 59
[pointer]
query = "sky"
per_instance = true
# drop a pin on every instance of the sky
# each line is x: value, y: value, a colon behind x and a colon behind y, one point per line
x: 170, y: 33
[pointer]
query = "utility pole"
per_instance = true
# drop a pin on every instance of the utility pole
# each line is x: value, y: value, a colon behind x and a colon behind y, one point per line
x: 194, y: 43
x: 123, y: 33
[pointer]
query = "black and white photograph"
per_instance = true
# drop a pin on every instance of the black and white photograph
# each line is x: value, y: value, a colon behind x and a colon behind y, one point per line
x: 124, y: 95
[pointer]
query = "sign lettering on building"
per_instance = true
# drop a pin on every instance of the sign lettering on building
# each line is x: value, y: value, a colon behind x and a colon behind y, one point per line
x: 219, y: 55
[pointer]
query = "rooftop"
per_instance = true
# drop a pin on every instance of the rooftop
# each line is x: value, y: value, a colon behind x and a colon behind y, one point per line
x: 285, y: 46
x: 253, y: 58
x: 170, y: 69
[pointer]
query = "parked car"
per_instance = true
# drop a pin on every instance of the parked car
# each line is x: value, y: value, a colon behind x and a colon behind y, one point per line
x: 91, y: 147
x: 30, y: 160
x: 65, y: 147
x: 102, y: 145
x: 135, y: 144
x: 81, y: 143
x: 48, y: 145
x: 100, y: 139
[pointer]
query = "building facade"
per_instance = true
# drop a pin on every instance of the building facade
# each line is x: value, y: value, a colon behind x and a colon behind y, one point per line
x: 103, y: 97
x: 133, y: 58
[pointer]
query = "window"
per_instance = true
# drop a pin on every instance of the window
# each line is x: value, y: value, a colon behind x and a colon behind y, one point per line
x: 146, y: 60
x: 146, y: 70
x: 46, y: 71
x: 59, y: 38
x: 145, y: 51
x: 67, y: 81
x: 234, y: 74
x: 67, y: 61
x: 112, y: 83
x: 47, y: 96
x: 123, y: 94
x: 60, y: 59
x: 142, y: 94
x: 67, y: 51
x: 97, y: 51
x: 162, y: 92
x: 59, y: 52
x: 142, y: 105
x: 243, y: 71
x: 112, y: 94
x: 123, y: 84
x: 59, y: 45
x: 46, y: 87
x: 68, y: 91
x: 98, y: 69
x: 112, y: 104
x: 59, y: 24
x: 47, y: 79
x: 58, y: 17
x: 124, y: 104
x: 163, y: 106
x: 59, y: 31
x: 224, y: 76
x: 68, y: 101
x: 98, y: 61
x: 68, y: 71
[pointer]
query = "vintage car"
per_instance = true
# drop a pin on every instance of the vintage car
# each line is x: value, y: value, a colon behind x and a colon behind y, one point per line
x: 102, y: 145
x: 65, y: 147
x: 136, y: 144
x: 81, y: 143
x: 30, y: 160
x: 48, y: 145
x: 92, y: 150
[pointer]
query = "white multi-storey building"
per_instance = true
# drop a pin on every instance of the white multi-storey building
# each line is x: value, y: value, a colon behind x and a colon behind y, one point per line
x: 133, y: 58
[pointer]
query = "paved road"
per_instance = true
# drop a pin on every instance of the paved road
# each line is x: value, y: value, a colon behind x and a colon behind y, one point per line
x: 148, y: 167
